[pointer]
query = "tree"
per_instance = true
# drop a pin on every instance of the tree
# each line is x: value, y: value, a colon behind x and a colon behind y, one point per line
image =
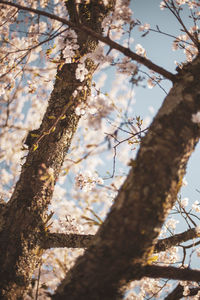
x: 129, y: 236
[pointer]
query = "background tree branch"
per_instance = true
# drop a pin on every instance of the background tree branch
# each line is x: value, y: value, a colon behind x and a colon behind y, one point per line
x: 176, y: 239
x: 113, y: 45
x: 53, y: 240
x: 155, y: 271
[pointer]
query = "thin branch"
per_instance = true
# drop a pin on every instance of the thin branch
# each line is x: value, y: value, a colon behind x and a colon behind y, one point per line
x: 170, y: 35
x: 62, y: 240
x: 164, y: 244
x: 126, y: 51
x: 177, y: 15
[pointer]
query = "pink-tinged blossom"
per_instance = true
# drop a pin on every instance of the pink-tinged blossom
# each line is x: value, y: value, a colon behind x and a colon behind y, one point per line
x: 67, y: 42
x: 80, y: 110
x: 162, y: 4
x: 175, y: 45
x: 151, y: 82
x: 168, y: 257
x: 184, y: 202
x: 181, y: 2
x: 186, y: 291
x: 87, y: 181
x: 171, y: 224
x: 197, y: 229
x: 193, y: 4
x: 81, y: 72
x: 145, y: 26
x: 98, y: 108
x: 126, y: 67
x: 196, y: 206
x: 140, y: 50
x: 196, y: 117
x: 190, y: 52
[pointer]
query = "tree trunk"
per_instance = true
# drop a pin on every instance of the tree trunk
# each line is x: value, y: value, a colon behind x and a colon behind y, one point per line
x: 23, y: 218
x: 127, y: 237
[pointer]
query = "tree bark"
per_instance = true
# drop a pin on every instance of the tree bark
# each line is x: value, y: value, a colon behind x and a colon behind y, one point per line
x: 128, y: 235
x: 175, y: 240
x: 23, y: 218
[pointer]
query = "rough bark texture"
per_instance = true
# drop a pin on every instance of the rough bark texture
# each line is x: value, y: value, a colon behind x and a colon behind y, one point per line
x: 61, y: 240
x: 129, y: 233
x: 175, y: 240
x: 22, y: 220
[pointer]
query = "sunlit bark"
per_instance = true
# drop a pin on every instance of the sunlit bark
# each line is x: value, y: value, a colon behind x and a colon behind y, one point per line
x: 129, y: 234
x: 24, y: 217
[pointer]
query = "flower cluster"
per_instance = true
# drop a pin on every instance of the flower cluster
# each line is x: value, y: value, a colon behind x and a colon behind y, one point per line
x: 144, y: 27
x: 126, y: 66
x: 67, y: 42
x: 140, y: 50
x: 87, y: 181
x: 96, y: 108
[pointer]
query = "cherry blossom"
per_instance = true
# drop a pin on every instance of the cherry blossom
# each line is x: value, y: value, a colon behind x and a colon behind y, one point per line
x: 29, y: 62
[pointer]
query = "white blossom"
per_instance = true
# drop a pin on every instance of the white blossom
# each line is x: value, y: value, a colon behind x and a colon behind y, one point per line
x: 197, y: 229
x: 81, y: 71
x: 184, y: 202
x: 171, y: 224
x: 196, y: 206
x: 196, y: 117
x: 151, y: 82
x: 126, y: 66
x: 140, y: 50
x: 86, y: 180
x: 145, y: 26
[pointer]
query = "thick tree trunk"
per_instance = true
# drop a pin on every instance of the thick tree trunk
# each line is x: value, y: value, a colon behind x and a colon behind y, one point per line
x: 128, y: 235
x: 22, y: 220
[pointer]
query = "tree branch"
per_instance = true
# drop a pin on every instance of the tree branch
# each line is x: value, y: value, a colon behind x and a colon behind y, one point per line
x: 126, y: 51
x: 177, y: 293
x: 164, y: 244
x: 172, y: 273
x: 61, y: 240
